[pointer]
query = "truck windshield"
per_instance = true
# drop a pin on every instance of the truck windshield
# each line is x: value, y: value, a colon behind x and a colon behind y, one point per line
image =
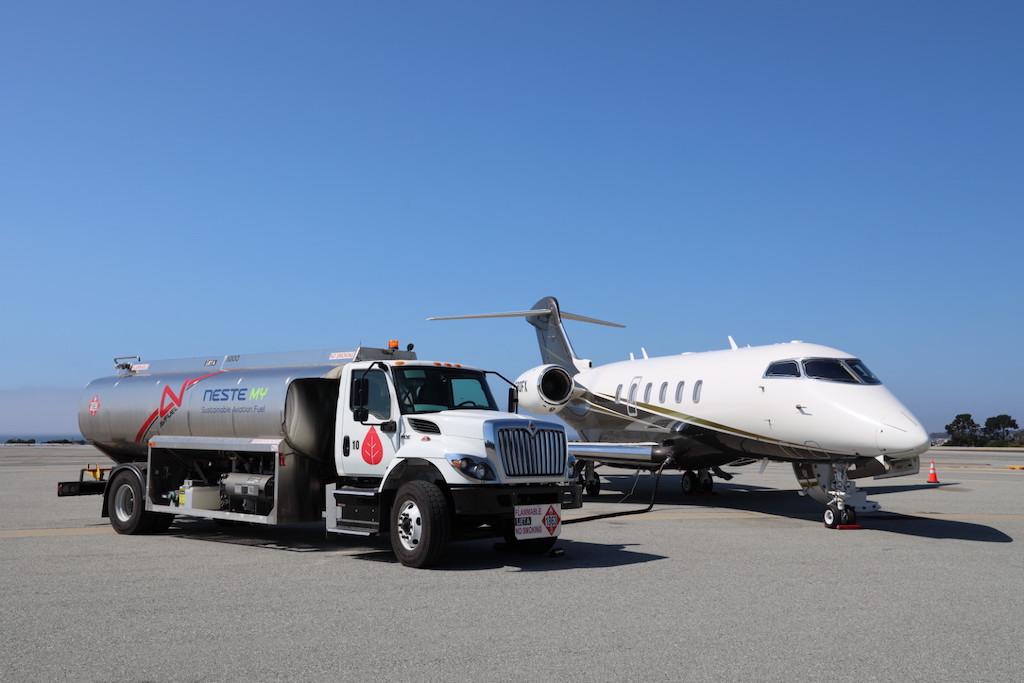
x: 429, y: 390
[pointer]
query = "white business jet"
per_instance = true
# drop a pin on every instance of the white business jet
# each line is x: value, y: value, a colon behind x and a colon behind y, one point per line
x: 816, y: 407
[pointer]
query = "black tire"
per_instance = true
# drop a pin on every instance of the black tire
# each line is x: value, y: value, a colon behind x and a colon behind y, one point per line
x: 706, y: 481
x: 688, y: 483
x: 848, y: 516
x: 420, y: 524
x: 832, y: 516
x: 126, y: 507
x: 531, y: 546
x: 593, y: 487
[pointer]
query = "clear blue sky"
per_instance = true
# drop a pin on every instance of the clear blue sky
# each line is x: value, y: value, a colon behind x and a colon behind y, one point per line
x: 196, y: 178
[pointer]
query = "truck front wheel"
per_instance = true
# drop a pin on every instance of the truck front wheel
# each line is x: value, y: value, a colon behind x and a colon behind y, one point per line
x: 420, y: 524
x: 126, y: 508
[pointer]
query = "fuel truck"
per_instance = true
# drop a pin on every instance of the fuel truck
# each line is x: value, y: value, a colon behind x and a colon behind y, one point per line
x: 373, y: 441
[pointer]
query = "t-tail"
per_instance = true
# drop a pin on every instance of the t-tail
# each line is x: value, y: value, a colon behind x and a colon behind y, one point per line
x: 547, y: 316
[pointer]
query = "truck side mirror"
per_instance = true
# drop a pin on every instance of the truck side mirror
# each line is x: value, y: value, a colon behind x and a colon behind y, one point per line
x: 360, y: 392
x: 389, y: 427
x: 513, y: 400
x: 360, y: 414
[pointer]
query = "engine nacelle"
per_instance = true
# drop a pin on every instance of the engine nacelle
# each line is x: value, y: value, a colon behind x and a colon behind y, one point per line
x: 545, y: 389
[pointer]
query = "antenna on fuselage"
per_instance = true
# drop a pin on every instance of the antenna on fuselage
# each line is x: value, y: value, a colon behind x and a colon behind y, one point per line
x: 644, y: 352
x: 732, y: 343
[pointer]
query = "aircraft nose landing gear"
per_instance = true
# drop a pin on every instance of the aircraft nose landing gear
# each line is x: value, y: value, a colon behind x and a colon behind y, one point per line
x: 829, y: 484
x: 836, y: 516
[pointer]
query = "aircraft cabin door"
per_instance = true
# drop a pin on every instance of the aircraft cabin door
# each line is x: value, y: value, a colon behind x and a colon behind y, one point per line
x: 365, y: 449
x: 634, y: 388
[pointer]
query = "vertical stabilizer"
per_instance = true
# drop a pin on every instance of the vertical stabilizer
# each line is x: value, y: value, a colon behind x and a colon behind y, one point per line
x: 546, y: 316
x: 555, y: 347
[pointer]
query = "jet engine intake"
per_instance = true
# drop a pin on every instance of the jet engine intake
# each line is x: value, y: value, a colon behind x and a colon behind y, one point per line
x: 545, y: 389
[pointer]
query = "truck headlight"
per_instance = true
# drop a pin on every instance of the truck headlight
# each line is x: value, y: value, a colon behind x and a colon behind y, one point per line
x: 472, y: 466
x: 570, y: 467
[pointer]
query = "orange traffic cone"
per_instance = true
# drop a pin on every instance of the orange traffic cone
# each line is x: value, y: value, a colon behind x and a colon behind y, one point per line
x: 933, y: 478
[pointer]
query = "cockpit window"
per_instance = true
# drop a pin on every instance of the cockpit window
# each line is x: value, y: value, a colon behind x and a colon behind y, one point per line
x: 783, y: 368
x: 861, y: 370
x: 831, y: 369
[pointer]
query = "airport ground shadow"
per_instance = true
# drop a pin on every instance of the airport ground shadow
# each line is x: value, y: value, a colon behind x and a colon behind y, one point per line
x: 469, y: 555
x: 787, y: 503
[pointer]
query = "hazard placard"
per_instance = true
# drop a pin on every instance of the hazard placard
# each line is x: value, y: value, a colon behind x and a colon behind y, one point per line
x: 537, y: 521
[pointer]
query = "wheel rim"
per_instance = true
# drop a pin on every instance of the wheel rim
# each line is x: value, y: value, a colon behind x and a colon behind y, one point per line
x: 124, y: 503
x: 830, y: 517
x: 410, y: 525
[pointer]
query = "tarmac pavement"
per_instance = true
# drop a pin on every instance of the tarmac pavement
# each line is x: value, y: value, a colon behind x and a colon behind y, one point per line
x: 742, y: 584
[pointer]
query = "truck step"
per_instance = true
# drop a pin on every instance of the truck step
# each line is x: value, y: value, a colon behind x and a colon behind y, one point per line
x: 358, y: 510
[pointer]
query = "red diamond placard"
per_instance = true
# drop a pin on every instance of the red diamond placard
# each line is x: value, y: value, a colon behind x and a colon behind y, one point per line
x: 552, y: 520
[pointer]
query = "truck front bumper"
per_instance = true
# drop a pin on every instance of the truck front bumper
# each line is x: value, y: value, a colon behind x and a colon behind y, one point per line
x: 498, y: 501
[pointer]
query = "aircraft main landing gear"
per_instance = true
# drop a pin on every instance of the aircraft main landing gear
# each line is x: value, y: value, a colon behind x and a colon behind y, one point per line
x: 701, y: 481
x: 589, y: 480
x: 706, y: 481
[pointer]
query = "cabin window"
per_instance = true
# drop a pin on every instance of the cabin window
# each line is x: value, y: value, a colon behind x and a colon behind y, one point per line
x: 696, y: 390
x: 831, y: 369
x: 679, y: 392
x: 663, y: 393
x: 647, y: 393
x: 618, y: 393
x: 632, y: 393
x: 783, y: 368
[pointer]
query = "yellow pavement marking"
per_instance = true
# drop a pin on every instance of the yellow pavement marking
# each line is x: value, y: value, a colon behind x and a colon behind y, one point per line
x: 42, y: 533
x: 1015, y: 467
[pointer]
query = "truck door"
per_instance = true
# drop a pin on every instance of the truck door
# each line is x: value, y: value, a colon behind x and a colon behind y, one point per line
x: 366, y: 449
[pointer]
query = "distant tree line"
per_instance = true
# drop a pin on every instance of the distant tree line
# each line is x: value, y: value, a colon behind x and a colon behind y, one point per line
x: 1001, y: 430
x: 29, y: 442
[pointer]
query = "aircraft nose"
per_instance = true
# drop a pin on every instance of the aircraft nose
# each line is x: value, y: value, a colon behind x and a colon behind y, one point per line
x: 902, y: 435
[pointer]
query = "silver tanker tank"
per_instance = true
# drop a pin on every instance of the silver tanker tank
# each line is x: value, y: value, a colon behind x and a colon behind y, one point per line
x: 282, y: 395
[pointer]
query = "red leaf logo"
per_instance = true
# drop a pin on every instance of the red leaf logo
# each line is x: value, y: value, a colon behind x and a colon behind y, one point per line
x: 372, y: 450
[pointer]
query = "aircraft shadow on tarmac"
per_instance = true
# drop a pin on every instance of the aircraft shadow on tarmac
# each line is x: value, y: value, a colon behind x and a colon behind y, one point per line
x: 461, y: 555
x: 787, y: 503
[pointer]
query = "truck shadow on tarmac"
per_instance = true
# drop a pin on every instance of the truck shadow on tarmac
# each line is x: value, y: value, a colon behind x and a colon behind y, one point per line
x: 786, y: 503
x: 469, y: 555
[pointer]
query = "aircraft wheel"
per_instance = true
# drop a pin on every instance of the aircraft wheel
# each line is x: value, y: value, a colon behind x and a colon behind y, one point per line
x: 832, y: 516
x: 706, y: 481
x: 848, y: 516
x: 593, y: 487
x: 689, y: 483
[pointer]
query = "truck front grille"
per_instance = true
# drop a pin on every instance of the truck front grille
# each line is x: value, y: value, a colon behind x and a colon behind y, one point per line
x: 531, y: 453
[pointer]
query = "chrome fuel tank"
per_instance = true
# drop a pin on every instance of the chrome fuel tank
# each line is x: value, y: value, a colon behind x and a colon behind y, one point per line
x: 227, y: 397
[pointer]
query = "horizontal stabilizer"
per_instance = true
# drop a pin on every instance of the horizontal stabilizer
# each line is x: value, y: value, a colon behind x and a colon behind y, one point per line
x: 533, y: 312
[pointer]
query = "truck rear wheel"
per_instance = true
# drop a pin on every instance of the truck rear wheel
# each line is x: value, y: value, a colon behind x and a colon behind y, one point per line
x: 126, y: 508
x: 420, y: 524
